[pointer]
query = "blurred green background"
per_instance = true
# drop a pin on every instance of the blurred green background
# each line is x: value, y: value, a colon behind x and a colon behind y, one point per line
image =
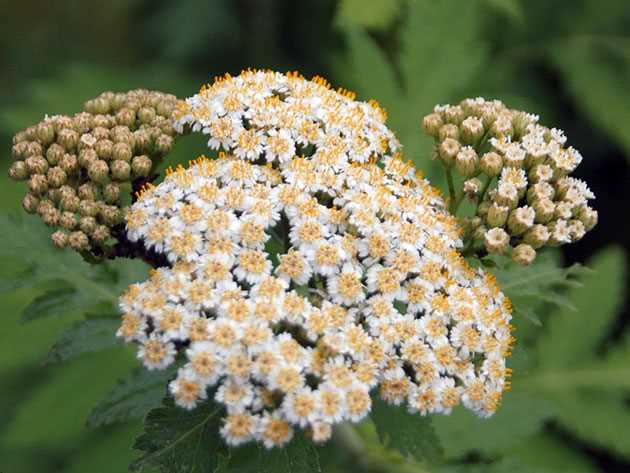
x: 566, y: 60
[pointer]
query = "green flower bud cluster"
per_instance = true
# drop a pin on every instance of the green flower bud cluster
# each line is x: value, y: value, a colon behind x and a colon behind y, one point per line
x: 77, y: 167
x: 517, y: 172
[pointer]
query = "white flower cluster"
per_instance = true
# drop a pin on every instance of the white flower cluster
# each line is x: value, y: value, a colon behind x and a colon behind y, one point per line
x: 295, y: 288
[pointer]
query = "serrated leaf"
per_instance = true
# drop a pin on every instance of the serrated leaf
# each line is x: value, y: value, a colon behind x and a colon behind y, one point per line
x: 84, y: 336
x: 367, y: 13
x: 134, y: 395
x: 411, y: 435
x: 52, y: 302
x: 180, y: 441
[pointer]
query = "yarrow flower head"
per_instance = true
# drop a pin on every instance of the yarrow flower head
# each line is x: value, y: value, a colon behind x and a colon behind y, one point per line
x: 308, y: 265
x: 533, y: 202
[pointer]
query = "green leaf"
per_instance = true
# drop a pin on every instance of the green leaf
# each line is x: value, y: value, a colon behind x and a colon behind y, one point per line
x: 134, y: 395
x: 60, y: 281
x: 178, y: 441
x: 411, y: 435
x: 84, y: 336
x: 367, y: 13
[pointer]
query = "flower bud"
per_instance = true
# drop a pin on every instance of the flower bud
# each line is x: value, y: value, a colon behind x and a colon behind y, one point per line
x: 165, y: 109
x: 87, y: 225
x: 141, y: 166
x: 143, y: 140
x: 537, y: 236
x: 18, y: 151
x: 30, y: 203
x: 491, y: 164
x: 59, y: 239
x: 514, y: 156
x: 482, y: 209
x: 68, y: 220
x: 506, y: 195
x: 44, y: 207
x: 70, y: 203
x: 126, y: 117
x: 121, y: 170
x: 122, y: 152
x: 36, y: 165
x: 448, y: 131
x: 497, y: 215
x: 54, y: 153
x: 146, y: 115
x: 45, y: 133
x: 496, y: 240
x: 117, y: 101
x: 18, y: 171
x: 540, y: 190
x: 466, y: 161
x: 448, y: 149
x: 100, y: 234
x: 98, y: 171
x: 588, y: 217
x: 110, y: 215
x: 502, y: 126
x: 38, y: 184
x: 56, y: 177
x: 122, y: 134
x: 33, y: 148
x: 78, y: 241
x: 69, y: 163
x: 88, y: 191
x: 523, y: 254
x: 51, y: 217
x: 540, y: 173
x: 111, y: 193
x: 545, y: 209
x: 101, y: 106
x: 431, y: 124
x: 88, y: 208
x: 479, y: 233
x: 472, y: 187
x: 521, y: 220
x: 564, y: 210
x: 576, y: 230
x: 163, y: 144
x: 105, y: 121
x: 472, y: 130
x: 104, y: 149
x: 86, y: 157
x: 454, y: 114
x: 68, y: 138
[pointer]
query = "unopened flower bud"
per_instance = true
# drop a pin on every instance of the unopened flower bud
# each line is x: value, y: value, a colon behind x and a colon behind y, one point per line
x: 482, y: 209
x: 540, y: 190
x: 88, y: 208
x: 51, y: 217
x: 466, y: 161
x: 122, y: 134
x: 507, y: 195
x: 491, y: 164
x: 588, y: 217
x: 54, y: 153
x: 104, y: 149
x: 121, y: 170
x: 30, y: 203
x: 70, y: 203
x: 454, y: 114
x: 165, y: 108
x: 479, y: 233
x: 18, y: 151
x: 141, y: 166
x: 540, y: 173
x: 69, y: 163
x: 146, y: 115
x: 45, y: 133
x: 68, y: 138
x: 98, y: 171
x: 126, y: 117
x: 472, y: 130
x: 18, y: 171
x: 105, y: 121
x: 521, y: 220
x: 111, y: 193
x: 100, y: 234
x: 78, y: 241
x: 497, y: 215
x: 38, y: 184
x: 56, y: 177
x: 110, y: 215
x: 143, y: 140
x: 523, y: 254
x: 514, y: 156
x: 122, y: 152
x: 87, y: 191
x: 68, y: 220
x: 431, y: 124
x: 44, y: 206
x: 33, y: 148
x: 448, y: 149
x: 537, y: 236
x: 133, y: 104
x: 86, y: 157
x: 59, y: 239
x: 502, y: 126
x: 496, y: 240
x: 87, y: 225
x: 576, y: 230
x: 117, y: 101
x: 101, y: 106
x: 163, y: 144
x: 54, y: 195
x: 472, y: 187
x: 448, y: 131
x: 36, y: 165
x: 564, y: 210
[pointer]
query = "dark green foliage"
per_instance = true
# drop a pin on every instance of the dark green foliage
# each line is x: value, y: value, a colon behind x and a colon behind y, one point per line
x: 82, y: 337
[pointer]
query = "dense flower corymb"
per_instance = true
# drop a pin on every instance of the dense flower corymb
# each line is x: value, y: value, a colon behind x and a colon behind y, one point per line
x: 309, y: 265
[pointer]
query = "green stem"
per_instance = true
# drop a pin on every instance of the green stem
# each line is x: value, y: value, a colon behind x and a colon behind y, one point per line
x: 452, y: 200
